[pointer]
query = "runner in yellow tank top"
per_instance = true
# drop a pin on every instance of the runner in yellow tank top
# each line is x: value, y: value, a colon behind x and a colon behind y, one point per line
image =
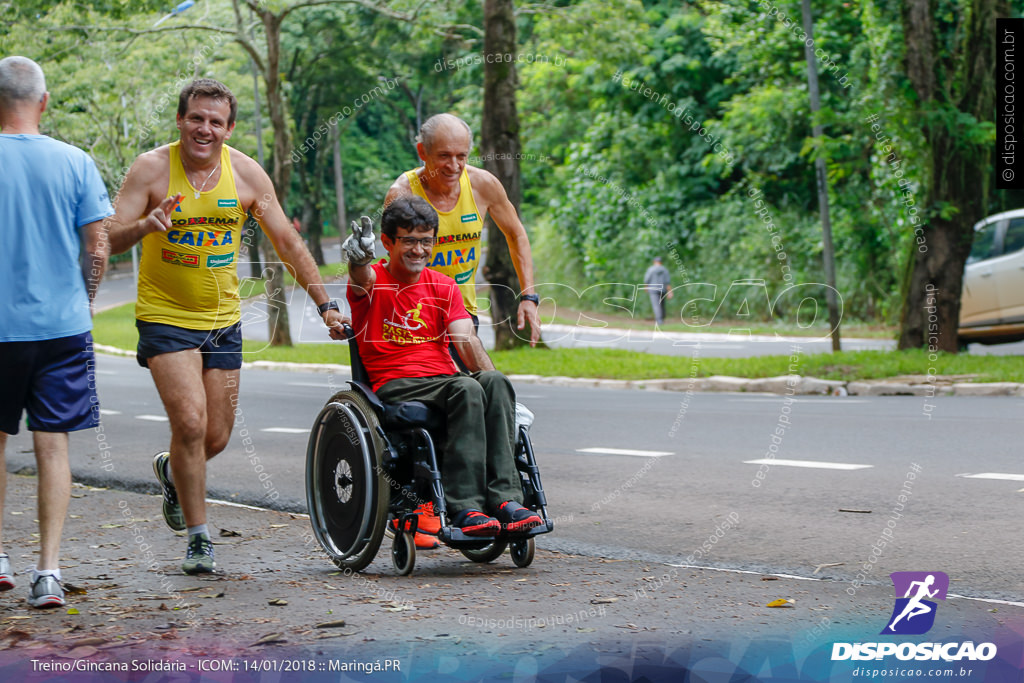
x: 187, y: 311
x: 458, y: 191
x: 457, y: 250
x: 188, y: 276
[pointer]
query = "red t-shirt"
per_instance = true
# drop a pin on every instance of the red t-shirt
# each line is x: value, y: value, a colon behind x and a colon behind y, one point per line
x: 402, y: 329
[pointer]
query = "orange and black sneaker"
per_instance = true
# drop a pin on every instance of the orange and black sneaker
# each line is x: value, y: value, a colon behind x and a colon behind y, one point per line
x: 516, y: 518
x: 427, y: 527
x: 428, y: 523
x: 475, y: 523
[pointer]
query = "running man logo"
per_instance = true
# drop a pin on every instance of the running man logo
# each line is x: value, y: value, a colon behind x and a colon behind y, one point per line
x: 913, y: 615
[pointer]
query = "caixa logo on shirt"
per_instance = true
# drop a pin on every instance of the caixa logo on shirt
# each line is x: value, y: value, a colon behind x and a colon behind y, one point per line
x: 914, y: 614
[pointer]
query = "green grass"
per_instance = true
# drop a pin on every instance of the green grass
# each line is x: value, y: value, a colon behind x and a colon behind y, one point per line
x: 846, y: 365
x: 848, y: 328
x: 116, y: 327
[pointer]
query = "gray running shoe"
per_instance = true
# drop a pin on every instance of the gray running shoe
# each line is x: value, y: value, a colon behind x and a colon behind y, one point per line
x: 6, y: 575
x: 46, y: 592
x: 199, y: 556
x: 173, y: 515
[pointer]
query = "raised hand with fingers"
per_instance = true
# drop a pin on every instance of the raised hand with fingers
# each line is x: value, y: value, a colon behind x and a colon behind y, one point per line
x: 159, y: 219
x: 359, y: 247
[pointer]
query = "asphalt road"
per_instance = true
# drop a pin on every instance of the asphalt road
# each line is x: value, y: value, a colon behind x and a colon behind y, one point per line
x: 693, y: 476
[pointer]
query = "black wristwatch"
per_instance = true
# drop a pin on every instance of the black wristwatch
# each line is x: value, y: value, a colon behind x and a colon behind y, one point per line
x: 530, y: 297
x: 327, y: 306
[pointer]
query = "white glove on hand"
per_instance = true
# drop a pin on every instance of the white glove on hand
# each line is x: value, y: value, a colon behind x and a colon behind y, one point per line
x: 359, y: 247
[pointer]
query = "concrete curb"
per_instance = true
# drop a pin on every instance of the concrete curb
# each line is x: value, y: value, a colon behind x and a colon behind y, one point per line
x: 794, y: 385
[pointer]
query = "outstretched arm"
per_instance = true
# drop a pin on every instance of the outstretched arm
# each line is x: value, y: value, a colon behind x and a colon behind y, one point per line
x: 289, y: 246
x: 507, y: 220
x: 125, y: 228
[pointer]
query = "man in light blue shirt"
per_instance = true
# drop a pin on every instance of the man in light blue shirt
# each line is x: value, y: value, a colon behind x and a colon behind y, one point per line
x: 52, y: 204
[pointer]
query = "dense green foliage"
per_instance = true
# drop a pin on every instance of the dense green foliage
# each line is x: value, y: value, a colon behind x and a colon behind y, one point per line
x: 679, y: 130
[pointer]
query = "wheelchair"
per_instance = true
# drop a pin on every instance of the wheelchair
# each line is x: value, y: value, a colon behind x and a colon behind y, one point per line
x: 369, y: 463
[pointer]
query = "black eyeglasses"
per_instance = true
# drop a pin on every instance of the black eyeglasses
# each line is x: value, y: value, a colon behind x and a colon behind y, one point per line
x: 427, y: 242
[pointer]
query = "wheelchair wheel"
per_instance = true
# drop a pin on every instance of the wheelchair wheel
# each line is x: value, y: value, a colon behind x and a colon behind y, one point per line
x: 522, y: 551
x: 346, y: 489
x: 488, y: 553
x: 403, y: 553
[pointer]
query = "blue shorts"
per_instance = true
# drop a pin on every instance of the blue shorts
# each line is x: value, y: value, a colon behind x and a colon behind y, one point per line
x: 221, y: 349
x: 54, y: 380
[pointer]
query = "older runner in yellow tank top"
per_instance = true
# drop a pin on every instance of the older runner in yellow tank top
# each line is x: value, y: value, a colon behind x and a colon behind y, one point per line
x: 459, y: 192
x: 188, y: 309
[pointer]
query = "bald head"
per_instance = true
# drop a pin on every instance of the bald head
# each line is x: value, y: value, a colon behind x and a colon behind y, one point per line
x: 21, y: 82
x: 445, y: 125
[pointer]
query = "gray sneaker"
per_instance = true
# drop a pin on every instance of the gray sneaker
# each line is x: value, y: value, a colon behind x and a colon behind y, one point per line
x: 6, y: 575
x: 46, y: 592
x: 173, y: 515
x: 199, y: 556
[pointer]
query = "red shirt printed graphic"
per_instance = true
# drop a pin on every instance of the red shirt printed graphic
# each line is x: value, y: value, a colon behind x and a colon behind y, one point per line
x: 402, y: 329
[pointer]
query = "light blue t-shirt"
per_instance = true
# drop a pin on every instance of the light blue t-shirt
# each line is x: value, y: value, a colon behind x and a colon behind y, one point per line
x: 48, y: 190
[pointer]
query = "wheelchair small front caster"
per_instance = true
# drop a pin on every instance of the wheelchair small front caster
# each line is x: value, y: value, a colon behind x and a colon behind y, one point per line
x: 403, y: 553
x: 488, y: 553
x: 521, y: 550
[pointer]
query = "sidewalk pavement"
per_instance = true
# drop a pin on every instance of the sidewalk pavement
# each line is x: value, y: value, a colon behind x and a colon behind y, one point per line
x: 276, y: 601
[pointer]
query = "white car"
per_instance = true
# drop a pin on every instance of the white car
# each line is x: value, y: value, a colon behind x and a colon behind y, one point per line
x: 992, y: 302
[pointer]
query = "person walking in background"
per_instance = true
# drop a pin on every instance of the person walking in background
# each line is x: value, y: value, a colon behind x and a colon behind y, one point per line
x: 52, y: 204
x: 657, y: 282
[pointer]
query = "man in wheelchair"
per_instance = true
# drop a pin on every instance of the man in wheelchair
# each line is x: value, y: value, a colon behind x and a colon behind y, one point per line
x: 404, y: 315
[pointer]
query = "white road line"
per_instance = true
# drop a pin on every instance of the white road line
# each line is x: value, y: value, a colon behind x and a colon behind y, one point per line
x: 319, y: 385
x: 285, y: 430
x: 993, y: 475
x: 624, y: 451
x: 152, y: 418
x: 832, y: 401
x: 807, y: 463
x: 104, y: 411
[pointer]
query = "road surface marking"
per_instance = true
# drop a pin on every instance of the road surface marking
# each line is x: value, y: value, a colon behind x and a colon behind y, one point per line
x: 152, y: 418
x: 994, y: 475
x: 104, y: 411
x: 285, y: 430
x: 318, y: 385
x: 830, y: 401
x: 624, y: 451
x: 807, y: 463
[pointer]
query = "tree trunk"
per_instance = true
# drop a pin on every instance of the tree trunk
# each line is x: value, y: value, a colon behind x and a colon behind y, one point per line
x: 279, y: 332
x: 957, y: 189
x: 339, y: 184
x: 500, y: 148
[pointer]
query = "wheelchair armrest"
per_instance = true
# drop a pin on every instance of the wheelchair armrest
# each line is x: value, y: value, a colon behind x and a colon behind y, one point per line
x: 366, y: 392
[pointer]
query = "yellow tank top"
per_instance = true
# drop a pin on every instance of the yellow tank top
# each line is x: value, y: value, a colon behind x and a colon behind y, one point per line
x: 188, y: 276
x: 457, y: 251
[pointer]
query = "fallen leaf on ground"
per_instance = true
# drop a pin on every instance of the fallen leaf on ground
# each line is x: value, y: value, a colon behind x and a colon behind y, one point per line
x: 72, y: 589
x: 277, y: 602
x: 781, y: 602
x: 603, y: 601
x: 585, y: 630
x: 229, y: 532
x: 271, y: 638
x: 79, y: 653
x: 73, y: 611
x: 332, y: 624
